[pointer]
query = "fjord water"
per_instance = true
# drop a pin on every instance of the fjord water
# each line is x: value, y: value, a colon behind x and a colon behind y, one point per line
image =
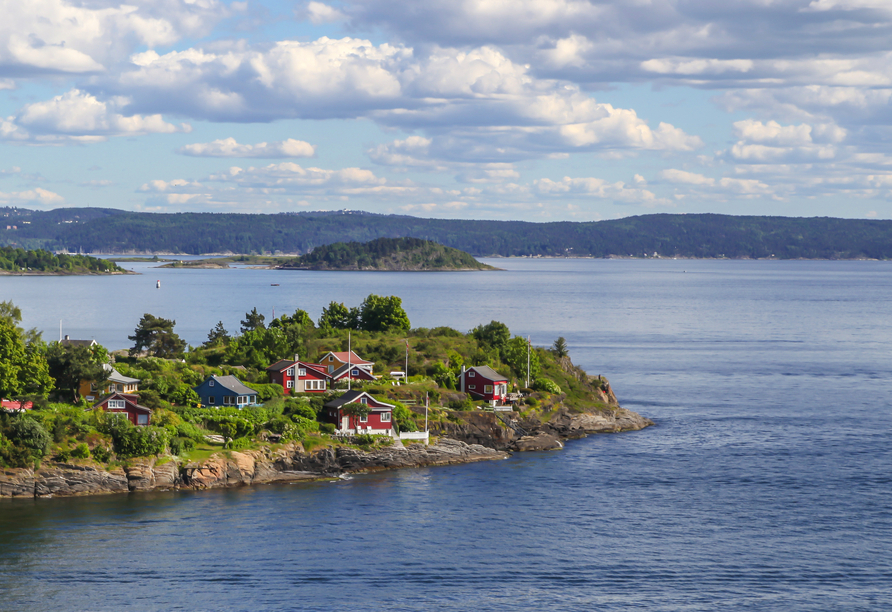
x: 764, y: 486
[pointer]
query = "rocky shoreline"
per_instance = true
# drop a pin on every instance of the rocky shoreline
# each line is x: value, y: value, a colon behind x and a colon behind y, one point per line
x: 468, y: 437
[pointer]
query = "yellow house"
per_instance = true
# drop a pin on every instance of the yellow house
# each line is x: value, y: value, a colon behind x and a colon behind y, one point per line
x: 116, y: 383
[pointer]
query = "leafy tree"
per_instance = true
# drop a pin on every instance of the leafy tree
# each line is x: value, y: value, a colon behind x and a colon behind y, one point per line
x: 218, y: 335
x: 338, y: 316
x: 12, y: 314
x: 516, y: 357
x: 23, y: 368
x: 300, y: 318
x: 494, y: 335
x: 559, y: 348
x: 253, y: 321
x: 379, y: 313
x: 28, y: 433
x: 69, y: 365
x: 156, y: 335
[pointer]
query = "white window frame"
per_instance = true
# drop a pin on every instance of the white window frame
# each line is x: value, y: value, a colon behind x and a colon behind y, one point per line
x: 363, y: 419
x: 471, y: 373
x: 117, y: 404
x: 142, y: 419
x: 385, y: 417
x: 302, y: 372
x: 227, y: 400
x: 211, y: 400
x: 487, y: 388
x: 289, y: 384
x: 354, y: 373
x: 210, y: 383
x: 472, y: 386
x: 364, y: 400
x: 289, y: 372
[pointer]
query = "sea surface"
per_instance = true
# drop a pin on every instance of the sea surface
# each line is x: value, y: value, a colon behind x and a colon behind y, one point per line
x: 766, y: 484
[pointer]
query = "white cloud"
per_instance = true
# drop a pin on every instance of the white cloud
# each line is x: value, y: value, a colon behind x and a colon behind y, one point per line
x: 36, y: 195
x: 81, y: 117
x: 72, y: 37
x: 228, y: 147
x: 319, y: 13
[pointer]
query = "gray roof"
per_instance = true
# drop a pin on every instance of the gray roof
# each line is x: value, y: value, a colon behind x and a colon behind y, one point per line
x: 488, y: 372
x: 68, y: 342
x: 234, y: 384
x: 351, y: 396
x: 116, y: 377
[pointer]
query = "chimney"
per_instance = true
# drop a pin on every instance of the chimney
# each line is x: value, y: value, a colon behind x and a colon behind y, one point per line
x: 296, y: 358
x: 67, y: 336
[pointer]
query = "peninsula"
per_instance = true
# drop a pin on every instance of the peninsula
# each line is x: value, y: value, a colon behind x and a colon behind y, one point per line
x: 285, y: 400
x: 19, y: 262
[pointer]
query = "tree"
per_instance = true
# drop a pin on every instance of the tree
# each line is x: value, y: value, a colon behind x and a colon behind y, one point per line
x: 253, y: 321
x: 338, y: 316
x: 516, y: 357
x: 12, y: 314
x: 23, y: 368
x: 356, y: 410
x: 559, y: 348
x: 379, y: 313
x: 69, y: 365
x: 156, y: 335
x: 218, y: 335
x: 494, y: 335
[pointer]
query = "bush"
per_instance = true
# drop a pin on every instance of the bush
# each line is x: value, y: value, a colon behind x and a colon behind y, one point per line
x: 81, y: 451
x: 190, y: 432
x: 327, y: 428
x: 403, y: 417
x: 176, y: 446
x: 300, y: 408
x: 240, y: 443
x: 135, y: 441
x: 27, y: 433
x: 101, y: 453
x: 268, y: 391
x: 464, y: 405
x: 549, y: 386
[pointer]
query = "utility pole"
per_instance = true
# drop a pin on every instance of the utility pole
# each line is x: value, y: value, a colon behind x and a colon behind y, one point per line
x: 529, y: 342
x: 427, y: 401
x: 407, y: 361
x: 349, y: 354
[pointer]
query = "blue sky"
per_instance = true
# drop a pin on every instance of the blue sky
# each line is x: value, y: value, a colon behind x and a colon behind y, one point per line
x: 498, y: 109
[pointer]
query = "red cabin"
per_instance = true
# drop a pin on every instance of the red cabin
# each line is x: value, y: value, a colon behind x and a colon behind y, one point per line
x: 482, y: 382
x: 299, y: 377
x: 378, y: 421
x: 125, y: 403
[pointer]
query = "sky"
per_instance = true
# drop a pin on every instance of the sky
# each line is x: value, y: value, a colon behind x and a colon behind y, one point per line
x: 538, y: 110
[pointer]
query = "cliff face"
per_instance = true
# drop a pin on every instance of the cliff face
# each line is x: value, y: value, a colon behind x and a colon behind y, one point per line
x: 288, y: 464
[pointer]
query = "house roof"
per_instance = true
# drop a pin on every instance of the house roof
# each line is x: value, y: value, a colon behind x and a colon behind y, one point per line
x: 116, y: 377
x: 488, y: 372
x: 127, y: 397
x: 234, y: 384
x: 351, y: 396
x: 281, y: 364
x: 342, y: 371
x: 16, y: 405
x: 353, y: 357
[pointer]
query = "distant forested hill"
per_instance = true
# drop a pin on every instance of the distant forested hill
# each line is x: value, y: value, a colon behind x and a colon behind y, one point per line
x: 94, y: 230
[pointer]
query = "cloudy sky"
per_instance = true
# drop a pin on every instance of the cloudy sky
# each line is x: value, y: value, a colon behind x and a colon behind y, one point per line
x: 500, y: 109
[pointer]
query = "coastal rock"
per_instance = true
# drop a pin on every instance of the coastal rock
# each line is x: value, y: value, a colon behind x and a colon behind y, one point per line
x: 17, y: 483
x: 63, y: 479
x: 477, y: 427
x: 540, y: 442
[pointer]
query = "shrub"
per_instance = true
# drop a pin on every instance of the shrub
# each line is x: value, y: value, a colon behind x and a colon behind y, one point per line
x: 240, y: 443
x: 190, y: 431
x: 403, y: 417
x: 268, y: 391
x: 81, y: 451
x: 101, y: 453
x: 300, y: 408
x: 464, y: 405
x: 28, y: 433
x: 328, y: 428
x: 176, y: 446
x: 135, y: 441
x: 549, y: 386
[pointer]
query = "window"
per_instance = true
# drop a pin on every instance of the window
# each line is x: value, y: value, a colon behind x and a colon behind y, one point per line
x: 364, y: 419
x: 210, y: 383
x: 142, y: 419
x: 228, y: 400
x: 290, y: 384
x: 472, y: 386
x: 487, y: 389
x: 355, y: 372
x: 314, y: 385
x: 385, y: 417
x: 211, y: 399
x: 289, y: 372
x: 331, y: 358
x: 115, y: 404
x: 364, y: 400
x: 302, y: 372
x: 471, y: 373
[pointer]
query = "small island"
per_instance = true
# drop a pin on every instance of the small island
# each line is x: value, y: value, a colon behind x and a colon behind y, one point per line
x: 20, y: 262
x: 380, y: 255
x: 286, y: 400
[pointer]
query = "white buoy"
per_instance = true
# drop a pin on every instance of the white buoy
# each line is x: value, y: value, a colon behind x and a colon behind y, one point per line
x: 157, y: 284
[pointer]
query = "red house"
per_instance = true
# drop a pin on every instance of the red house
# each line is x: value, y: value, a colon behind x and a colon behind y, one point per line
x: 298, y: 376
x: 16, y: 405
x: 333, y: 361
x: 482, y: 382
x: 378, y: 421
x: 353, y: 372
x: 125, y: 403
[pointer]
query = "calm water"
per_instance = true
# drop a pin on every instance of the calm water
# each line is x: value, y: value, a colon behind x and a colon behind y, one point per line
x: 766, y: 485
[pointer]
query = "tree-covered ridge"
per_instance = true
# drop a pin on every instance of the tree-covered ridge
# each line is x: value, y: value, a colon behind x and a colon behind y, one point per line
x: 387, y: 254
x: 669, y: 235
x: 20, y: 260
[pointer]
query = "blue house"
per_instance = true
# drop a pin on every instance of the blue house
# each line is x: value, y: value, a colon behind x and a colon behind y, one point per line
x: 225, y: 391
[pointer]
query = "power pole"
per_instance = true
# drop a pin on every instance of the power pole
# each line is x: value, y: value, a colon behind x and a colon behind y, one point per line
x: 529, y: 342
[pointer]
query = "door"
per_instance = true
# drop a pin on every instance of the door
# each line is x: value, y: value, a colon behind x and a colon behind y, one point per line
x: 345, y: 423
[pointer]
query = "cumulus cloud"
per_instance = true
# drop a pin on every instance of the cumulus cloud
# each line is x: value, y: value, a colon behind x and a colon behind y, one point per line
x: 493, y: 109
x: 36, y: 196
x: 599, y: 188
x: 318, y: 13
x: 79, y: 116
x: 228, y: 147
x: 70, y: 37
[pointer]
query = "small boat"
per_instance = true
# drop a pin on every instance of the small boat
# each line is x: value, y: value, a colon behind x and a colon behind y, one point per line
x: 157, y: 284
x: 274, y: 284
